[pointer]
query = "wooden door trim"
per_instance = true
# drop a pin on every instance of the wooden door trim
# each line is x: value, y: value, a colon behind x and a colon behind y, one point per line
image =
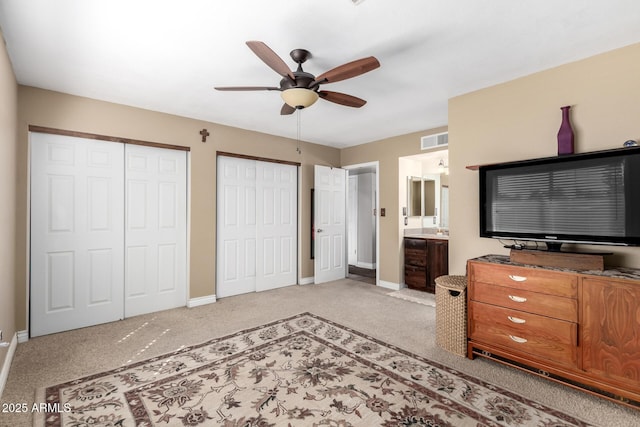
x: 261, y: 159
x: 44, y: 129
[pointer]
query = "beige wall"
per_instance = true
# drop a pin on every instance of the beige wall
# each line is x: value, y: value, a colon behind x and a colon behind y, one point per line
x: 510, y: 121
x: 8, y: 142
x: 387, y: 152
x: 520, y: 120
x: 52, y: 109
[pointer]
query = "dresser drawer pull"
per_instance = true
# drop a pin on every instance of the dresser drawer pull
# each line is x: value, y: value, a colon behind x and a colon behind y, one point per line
x: 516, y: 319
x: 517, y: 278
x: 518, y: 339
x: 517, y: 299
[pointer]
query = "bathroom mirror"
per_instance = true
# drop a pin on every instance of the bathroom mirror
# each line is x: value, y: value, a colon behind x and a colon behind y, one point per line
x: 414, y: 195
x: 429, y: 197
x: 423, y: 196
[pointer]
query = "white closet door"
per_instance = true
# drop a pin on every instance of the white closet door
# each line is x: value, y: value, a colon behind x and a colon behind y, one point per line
x: 77, y: 237
x: 256, y: 226
x: 156, y: 229
x: 236, y: 226
x: 276, y: 191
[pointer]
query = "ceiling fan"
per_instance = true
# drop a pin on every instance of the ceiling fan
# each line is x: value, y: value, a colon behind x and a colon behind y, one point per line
x: 301, y: 89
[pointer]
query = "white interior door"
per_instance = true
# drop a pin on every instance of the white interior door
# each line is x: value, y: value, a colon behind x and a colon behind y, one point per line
x: 77, y: 237
x: 330, y: 225
x: 156, y: 229
x: 276, y: 192
x: 236, y: 226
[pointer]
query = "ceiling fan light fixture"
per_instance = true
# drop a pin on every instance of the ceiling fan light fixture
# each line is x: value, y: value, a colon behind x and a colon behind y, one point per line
x: 298, y: 97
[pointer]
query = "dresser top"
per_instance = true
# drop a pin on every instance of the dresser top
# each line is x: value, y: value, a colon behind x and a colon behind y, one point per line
x: 616, y: 272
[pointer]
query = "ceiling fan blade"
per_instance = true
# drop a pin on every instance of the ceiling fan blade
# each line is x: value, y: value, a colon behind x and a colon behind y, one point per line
x: 349, y: 70
x: 270, y: 58
x: 246, y: 88
x: 286, y: 110
x: 342, y: 98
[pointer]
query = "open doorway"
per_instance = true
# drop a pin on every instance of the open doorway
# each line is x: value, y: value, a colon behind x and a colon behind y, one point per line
x: 362, y: 222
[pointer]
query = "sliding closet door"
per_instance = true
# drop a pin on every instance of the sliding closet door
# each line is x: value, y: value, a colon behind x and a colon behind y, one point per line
x: 276, y: 192
x: 77, y: 237
x: 156, y: 229
x: 236, y: 226
x: 256, y: 226
x: 108, y: 231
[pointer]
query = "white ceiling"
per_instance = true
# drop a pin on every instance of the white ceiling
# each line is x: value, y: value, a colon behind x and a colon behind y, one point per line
x: 167, y: 55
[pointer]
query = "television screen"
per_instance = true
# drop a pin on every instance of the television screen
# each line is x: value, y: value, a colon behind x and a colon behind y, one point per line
x: 581, y: 198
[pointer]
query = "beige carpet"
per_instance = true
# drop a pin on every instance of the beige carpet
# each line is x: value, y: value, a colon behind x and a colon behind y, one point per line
x: 57, y: 358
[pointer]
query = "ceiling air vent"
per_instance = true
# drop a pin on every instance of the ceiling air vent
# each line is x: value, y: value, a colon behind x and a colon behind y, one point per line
x: 437, y: 140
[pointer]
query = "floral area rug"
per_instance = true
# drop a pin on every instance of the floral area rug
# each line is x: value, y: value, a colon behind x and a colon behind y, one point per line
x: 300, y: 371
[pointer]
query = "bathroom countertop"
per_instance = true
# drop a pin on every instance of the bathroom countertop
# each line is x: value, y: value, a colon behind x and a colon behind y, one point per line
x: 428, y: 236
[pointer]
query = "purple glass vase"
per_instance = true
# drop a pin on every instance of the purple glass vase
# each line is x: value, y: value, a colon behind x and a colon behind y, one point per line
x: 565, y: 134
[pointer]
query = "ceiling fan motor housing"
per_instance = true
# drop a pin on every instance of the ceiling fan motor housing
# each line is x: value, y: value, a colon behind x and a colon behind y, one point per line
x: 303, y: 80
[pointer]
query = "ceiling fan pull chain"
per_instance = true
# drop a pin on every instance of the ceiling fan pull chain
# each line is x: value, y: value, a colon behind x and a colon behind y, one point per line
x: 298, y: 112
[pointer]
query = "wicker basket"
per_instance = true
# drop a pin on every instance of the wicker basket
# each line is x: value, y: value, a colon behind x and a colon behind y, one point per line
x: 451, y: 313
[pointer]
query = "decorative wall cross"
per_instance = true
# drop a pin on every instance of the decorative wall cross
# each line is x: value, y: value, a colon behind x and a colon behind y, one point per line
x: 204, y: 134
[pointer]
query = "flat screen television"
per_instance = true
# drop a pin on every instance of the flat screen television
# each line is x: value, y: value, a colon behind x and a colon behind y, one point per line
x: 591, y: 198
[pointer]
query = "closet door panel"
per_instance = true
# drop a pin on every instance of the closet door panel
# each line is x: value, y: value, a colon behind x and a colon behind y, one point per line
x: 100, y: 277
x: 155, y: 237
x: 276, y: 191
x: 257, y: 226
x: 77, y: 230
x: 236, y: 232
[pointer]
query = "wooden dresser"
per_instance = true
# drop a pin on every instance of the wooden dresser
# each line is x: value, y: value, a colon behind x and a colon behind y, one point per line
x: 578, y: 328
x: 424, y: 260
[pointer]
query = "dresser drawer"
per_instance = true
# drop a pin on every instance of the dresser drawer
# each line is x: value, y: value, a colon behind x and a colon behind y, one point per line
x: 529, y: 334
x: 523, y: 300
x: 543, y: 281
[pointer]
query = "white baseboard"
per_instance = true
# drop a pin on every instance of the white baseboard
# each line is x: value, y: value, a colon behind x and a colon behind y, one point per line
x: 196, y: 302
x: 390, y: 285
x: 23, y: 336
x: 307, y: 280
x: 4, y: 372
